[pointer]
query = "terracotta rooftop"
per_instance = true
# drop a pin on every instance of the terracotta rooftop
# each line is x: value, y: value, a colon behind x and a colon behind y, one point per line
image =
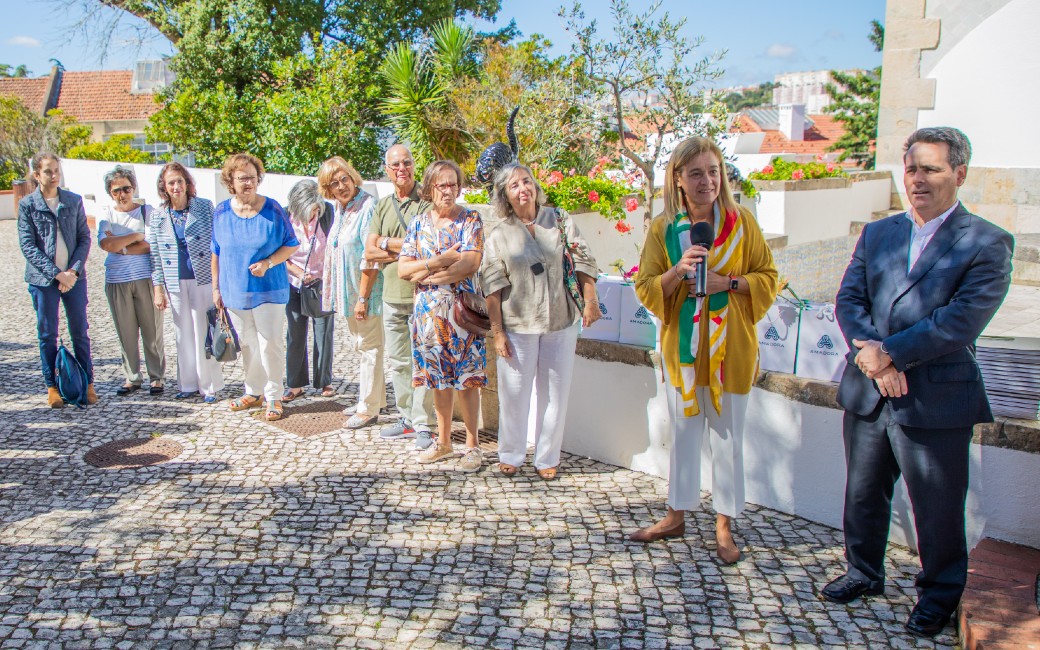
x: 104, y: 95
x: 824, y: 131
x: 32, y: 92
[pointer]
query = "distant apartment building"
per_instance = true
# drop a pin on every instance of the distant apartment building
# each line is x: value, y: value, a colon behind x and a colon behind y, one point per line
x: 110, y: 102
x: 807, y: 88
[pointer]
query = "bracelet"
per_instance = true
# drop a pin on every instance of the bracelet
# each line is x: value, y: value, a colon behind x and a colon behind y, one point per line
x: 427, y: 263
x: 677, y: 274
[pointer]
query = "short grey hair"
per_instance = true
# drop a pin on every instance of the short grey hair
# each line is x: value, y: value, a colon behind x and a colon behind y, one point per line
x: 500, y: 202
x: 120, y: 171
x: 960, y: 147
x: 303, y: 197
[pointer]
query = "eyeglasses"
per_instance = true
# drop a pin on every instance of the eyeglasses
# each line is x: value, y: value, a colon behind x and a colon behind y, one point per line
x: 126, y: 189
x: 246, y: 180
x: 342, y: 181
x: 447, y: 187
x: 400, y: 163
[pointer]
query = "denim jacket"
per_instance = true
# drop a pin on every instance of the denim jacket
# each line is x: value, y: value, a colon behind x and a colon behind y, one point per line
x: 37, y: 234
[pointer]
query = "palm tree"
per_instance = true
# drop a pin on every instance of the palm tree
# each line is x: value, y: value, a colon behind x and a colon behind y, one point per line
x: 418, y: 104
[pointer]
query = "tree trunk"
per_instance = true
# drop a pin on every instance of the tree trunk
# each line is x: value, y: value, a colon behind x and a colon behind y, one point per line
x: 648, y: 202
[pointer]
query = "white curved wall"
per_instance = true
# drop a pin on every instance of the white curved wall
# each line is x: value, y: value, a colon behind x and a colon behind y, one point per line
x: 986, y: 86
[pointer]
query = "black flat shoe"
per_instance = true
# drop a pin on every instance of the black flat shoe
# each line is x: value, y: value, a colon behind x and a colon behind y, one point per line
x: 186, y: 394
x: 126, y: 390
x: 846, y: 589
x: 155, y: 390
x: 926, y: 624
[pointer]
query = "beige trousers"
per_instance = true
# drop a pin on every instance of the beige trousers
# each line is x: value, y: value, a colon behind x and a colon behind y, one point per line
x: 136, y: 317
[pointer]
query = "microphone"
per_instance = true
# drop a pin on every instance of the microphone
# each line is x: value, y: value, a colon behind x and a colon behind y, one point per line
x: 702, y: 234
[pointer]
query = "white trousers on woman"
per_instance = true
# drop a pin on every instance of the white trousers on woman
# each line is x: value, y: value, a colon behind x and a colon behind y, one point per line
x: 368, y: 342
x: 726, y: 444
x: 195, y: 372
x: 544, y: 364
x: 261, y: 333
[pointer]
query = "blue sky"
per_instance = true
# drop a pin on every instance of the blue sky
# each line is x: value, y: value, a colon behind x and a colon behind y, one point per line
x: 762, y: 37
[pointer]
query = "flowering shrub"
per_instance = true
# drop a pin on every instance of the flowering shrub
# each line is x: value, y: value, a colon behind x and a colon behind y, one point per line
x: 574, y: 192
x: 619, y: 266
x: 785, y: 170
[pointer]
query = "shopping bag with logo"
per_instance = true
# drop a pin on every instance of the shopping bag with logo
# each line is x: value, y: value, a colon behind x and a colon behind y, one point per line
x: 778, y: 336
x: 821, y: 345
x: 637, y: 325
x: 607, y: 327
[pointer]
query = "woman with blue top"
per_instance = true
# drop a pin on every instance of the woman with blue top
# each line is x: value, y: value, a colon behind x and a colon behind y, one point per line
x: 311, y: 218
x: 352, y: 286
x: 179, y: 234
x: 55, y: 240
x: 128, y: 282
x: 252, y: 239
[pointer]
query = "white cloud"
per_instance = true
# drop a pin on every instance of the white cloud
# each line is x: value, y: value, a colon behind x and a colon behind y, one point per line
x: 23, y: 41
x: 781, y: 51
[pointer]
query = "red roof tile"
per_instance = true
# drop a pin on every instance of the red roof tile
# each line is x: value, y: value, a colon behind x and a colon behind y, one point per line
x: 32, y: 92
x: 104, y: 95
x: 821, y: 135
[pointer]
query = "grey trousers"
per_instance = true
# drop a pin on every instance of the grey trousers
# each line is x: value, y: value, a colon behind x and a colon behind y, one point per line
x: 296, y: 346
x: 136, y: 317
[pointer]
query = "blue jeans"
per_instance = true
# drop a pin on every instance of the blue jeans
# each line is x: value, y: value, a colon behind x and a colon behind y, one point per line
x: 45, y: 302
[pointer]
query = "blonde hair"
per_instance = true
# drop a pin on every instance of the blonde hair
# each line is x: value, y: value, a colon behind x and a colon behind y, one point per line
x: 433, y: 171
x: 237, y: 161
x: 684, y: 152
x: 329, y: 168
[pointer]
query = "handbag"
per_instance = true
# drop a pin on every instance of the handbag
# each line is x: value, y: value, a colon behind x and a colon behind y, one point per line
x: 570, y: 275
x: 469, y: 311
x: 221, y: 337
x: 70, y: 377
x: 310, y: 294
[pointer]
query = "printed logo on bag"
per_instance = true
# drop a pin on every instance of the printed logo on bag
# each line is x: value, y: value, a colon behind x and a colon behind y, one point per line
x: 602, y: 309
x: 825, y: 342
x: 825, y: 347
x: 772, y: 334
x: 642, y: 313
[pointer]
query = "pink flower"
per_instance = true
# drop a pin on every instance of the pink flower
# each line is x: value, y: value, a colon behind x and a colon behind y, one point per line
x: 819, y: 157
x: 573, y: 171
x: 768, y: 169
x: 555, y: 178
x: 632, y: 271
x: 593, y: 196
x: 631, y: 205
x: 797, y: 175
x: 830, y: 167
x: 623, y: 227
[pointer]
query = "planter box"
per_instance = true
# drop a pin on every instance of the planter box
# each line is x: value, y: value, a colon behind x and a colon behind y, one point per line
x: 823, y: 208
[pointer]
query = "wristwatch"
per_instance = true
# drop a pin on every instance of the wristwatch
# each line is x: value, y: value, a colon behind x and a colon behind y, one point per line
x: 270, y: 264
x: 363, y: 300
x: 733, y: 284
x: 884, y: 349
x: 384, y: 242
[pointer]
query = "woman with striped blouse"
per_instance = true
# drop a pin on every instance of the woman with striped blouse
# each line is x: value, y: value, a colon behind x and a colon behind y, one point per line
x: 179, y: 234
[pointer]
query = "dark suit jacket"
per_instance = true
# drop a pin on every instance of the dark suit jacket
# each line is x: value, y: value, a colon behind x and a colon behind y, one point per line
x: 37, y: 235
x: 928, y: 319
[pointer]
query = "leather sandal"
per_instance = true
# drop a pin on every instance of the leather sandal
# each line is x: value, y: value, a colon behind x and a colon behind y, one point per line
x: 274, y: 412
x: 245, y: 402
x: 507, y: 469
x: 548, y: 474
x: 291, y: 394
x: 328, y: 391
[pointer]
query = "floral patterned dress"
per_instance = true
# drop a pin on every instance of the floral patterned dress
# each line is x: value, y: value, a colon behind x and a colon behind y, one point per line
x: 444, y: 355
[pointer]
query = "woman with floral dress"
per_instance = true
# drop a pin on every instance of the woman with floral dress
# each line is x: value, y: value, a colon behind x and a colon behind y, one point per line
x: 353, y: 287
x: 441, y: 254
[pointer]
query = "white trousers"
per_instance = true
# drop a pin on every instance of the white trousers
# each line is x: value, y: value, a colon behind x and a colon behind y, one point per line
x: 367, y: 340
x: 726, y: 446
x: 261, y: 333
x: 542, y: 364
x: 188, y: 306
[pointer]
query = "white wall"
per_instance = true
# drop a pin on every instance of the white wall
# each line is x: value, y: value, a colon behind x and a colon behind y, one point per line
x: 86, y: 177
x: 793, y: 454
x: 813, y: 215
x: 984, y: 82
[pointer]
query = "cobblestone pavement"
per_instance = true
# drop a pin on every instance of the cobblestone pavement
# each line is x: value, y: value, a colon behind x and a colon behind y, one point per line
x: 255, y: 537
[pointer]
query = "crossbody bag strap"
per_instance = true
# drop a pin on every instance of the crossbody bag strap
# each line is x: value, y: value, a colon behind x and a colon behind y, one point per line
x: 397, y: 209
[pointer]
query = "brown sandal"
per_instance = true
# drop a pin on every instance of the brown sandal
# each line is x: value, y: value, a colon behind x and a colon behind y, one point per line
x: 291, y: 394
x: 274, y: 412
x: 506, y: 469
x: 245, y: 402
x: 548, y: 474
x: 328, y: 391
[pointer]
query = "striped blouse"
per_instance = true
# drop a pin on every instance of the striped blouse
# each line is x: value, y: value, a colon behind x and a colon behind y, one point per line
x: 121, y: 268
x: 198, y: 231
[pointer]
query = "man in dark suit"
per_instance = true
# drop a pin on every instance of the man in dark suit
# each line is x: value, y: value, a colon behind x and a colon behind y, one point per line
x: 919, y: 290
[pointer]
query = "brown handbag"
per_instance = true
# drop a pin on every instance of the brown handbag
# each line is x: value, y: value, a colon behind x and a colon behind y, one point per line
x: 470, y: 313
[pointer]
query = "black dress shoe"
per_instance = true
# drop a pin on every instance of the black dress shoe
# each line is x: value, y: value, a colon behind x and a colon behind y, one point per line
x: 155, y: 390
x: 926, y: 624
x: 846, y: 589
x: 126, y: 390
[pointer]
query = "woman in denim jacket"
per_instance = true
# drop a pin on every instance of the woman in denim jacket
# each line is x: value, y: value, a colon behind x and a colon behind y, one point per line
x: 53, y: 236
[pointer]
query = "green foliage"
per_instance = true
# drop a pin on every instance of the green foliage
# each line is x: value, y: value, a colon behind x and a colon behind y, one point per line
x: 784, y: 170
x: 856, y: 98
x: 18, y: 71
x: 24, y: 132
x: 762, y: 95
x: 115, y: 149
x: 580, y: 193
x: 647, y: 55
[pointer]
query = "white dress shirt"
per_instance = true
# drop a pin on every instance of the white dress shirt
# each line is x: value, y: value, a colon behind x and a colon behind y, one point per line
x: 923, y: 234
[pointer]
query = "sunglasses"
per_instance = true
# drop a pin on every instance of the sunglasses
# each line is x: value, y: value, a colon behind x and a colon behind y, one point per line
x: 126, y: 189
